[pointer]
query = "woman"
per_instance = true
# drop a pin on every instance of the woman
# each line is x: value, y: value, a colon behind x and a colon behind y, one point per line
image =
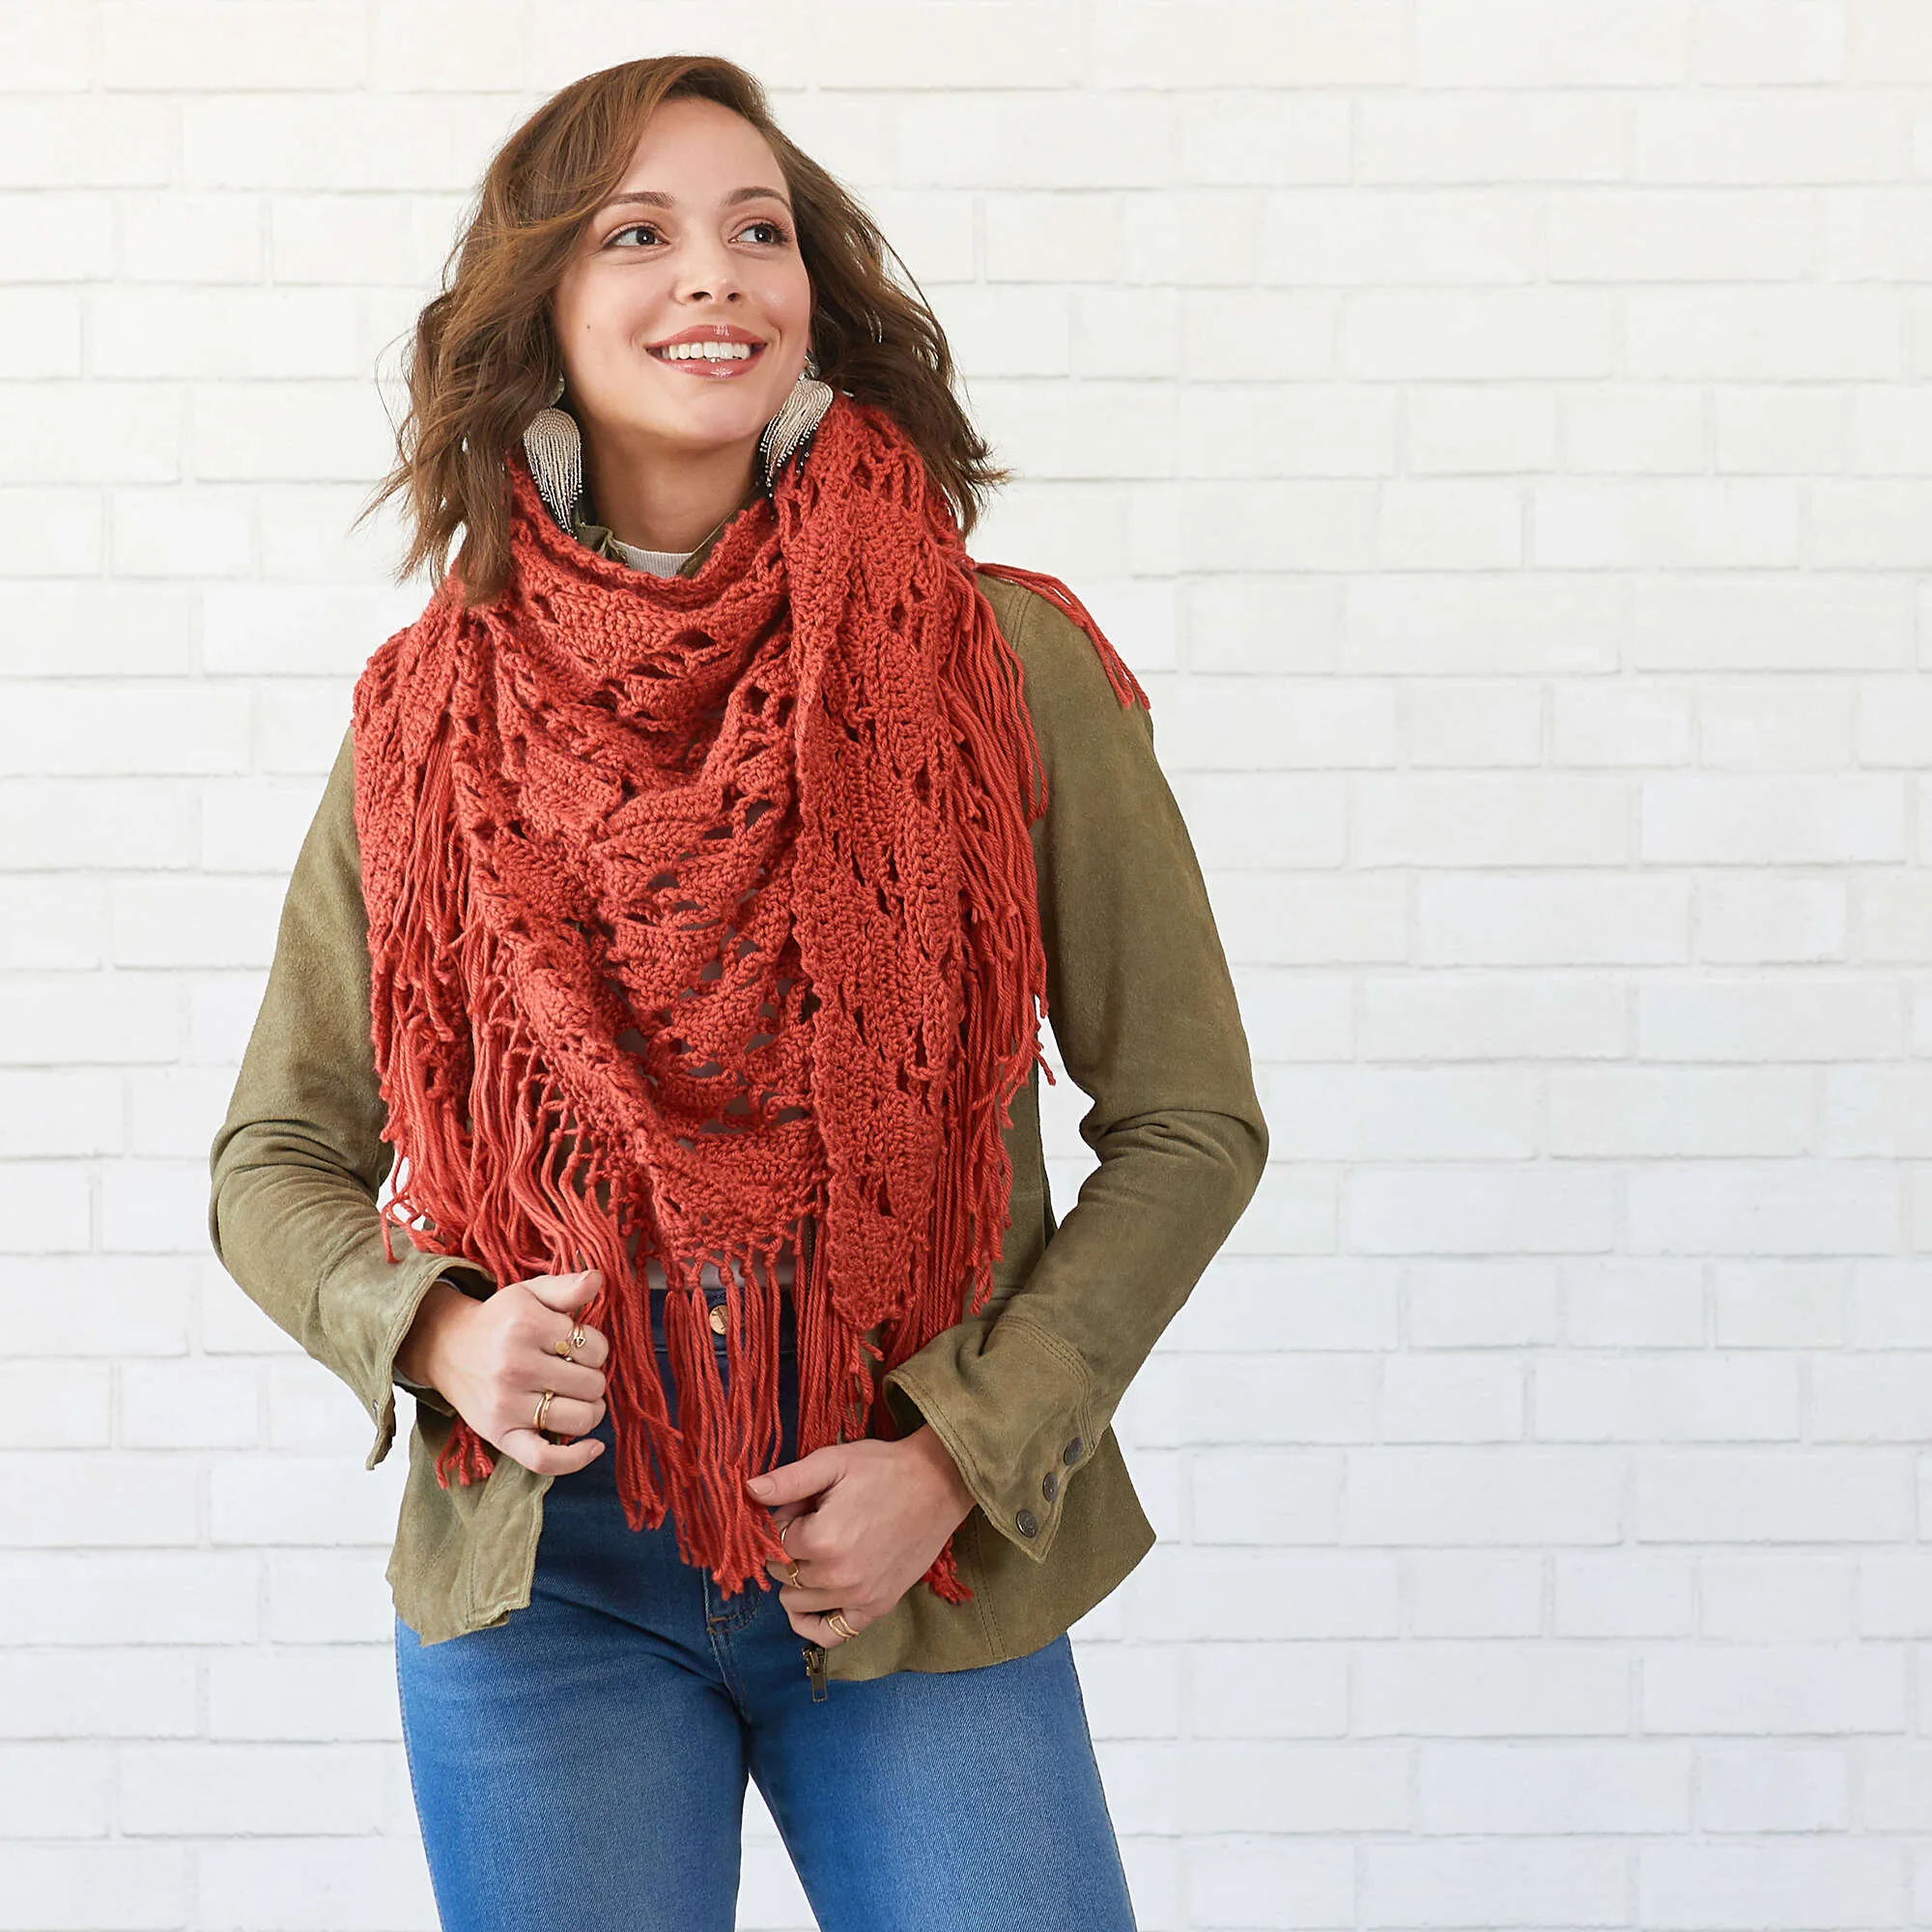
x: 677, y: 919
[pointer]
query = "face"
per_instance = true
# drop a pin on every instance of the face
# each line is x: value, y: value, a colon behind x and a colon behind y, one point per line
x: 698, y: 246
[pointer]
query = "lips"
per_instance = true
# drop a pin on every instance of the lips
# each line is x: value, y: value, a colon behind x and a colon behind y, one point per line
x: 716, y: 367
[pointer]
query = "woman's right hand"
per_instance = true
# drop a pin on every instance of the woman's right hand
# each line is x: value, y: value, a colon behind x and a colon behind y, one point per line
x: 491, y: 1361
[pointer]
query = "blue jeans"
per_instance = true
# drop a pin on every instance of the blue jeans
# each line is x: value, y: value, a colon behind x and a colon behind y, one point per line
x: 584, y: 1763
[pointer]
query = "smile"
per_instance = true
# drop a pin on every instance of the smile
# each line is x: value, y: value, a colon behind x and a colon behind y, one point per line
x: 719, y: 360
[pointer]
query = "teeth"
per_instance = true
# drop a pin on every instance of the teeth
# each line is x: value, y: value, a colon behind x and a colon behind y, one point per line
x: 708, y: 351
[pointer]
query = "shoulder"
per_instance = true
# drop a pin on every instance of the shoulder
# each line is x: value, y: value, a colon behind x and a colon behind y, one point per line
x: 1068, y: 693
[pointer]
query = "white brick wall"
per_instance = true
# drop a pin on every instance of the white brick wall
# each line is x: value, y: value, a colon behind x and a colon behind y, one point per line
x: 1499, y: 432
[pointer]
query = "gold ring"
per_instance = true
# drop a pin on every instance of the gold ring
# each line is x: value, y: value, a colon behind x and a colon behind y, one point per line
x: 838, y: 1622
x: 543, y: 1405
x: 573, y: 1342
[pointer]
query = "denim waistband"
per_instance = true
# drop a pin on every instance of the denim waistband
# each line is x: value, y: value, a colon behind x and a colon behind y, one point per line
x: 715, y: 1298
x: 716, y: 1295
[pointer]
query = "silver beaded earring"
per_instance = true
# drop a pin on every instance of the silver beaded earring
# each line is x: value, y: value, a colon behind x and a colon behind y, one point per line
x: 789, y: 434
x: 553, y: 445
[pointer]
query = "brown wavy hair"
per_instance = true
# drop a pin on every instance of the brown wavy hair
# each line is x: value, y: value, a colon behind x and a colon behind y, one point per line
x: 482, y: 358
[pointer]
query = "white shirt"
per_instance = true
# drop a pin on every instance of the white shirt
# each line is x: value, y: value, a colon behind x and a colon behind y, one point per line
x: 660, y: 563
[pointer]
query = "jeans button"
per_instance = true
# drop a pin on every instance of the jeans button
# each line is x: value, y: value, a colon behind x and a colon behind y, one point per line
x: 718, y: 1318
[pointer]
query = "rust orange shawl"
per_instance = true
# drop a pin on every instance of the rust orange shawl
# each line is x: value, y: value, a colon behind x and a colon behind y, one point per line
x: 700, y: 905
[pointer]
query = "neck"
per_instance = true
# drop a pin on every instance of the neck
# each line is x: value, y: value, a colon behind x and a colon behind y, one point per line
x: 658, y: 502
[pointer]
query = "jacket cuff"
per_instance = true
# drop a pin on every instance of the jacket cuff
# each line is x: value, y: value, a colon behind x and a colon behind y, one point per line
x: 473, y: 1284
x: 1017, y: 1411
x: 428, y: 1398
x: 411, y: 1279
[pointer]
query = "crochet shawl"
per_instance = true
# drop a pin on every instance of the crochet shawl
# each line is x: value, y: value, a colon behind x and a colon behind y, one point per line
x: 699, y: 908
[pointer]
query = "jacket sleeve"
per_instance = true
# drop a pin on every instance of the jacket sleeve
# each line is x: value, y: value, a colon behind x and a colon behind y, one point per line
x: 1143, y: 1009
x: 297, y: 1165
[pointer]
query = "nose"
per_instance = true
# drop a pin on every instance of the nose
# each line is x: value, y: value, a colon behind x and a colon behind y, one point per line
x: 709, y: 273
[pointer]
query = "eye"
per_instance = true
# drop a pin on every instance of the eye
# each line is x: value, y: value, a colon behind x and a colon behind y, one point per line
x: 632, y: 228
x: 778, y: 228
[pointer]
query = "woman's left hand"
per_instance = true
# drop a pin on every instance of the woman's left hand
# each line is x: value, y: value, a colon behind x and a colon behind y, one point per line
x: 883, y: 1512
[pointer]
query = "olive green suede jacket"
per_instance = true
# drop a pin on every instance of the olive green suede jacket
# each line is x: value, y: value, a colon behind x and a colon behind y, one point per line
x: 1022, y: 1393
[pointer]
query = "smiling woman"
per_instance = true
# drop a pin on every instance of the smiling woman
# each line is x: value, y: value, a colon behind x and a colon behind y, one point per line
x: 674, y: 935
x: 682, y: 334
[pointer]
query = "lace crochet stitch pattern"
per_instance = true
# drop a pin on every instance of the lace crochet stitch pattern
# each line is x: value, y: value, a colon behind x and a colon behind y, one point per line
x: 699, y: 908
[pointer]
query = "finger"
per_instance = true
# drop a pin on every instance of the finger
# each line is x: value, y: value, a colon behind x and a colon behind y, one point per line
x: 566, y: 1415
x: 537, y: 1370
x: 810, y: 1600
x: 549, y: 1458
x: 567, y: 1293
x: 809, y: 1476
x: 591, y: 1352
x: 821, y: 1630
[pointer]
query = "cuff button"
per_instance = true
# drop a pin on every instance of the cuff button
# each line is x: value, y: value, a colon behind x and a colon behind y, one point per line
x: 1073, y: 1450
x: 1026, y: 1522
x: 1049, y: 1485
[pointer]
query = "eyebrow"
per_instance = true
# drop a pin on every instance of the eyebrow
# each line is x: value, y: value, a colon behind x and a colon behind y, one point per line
x: 650, y: 198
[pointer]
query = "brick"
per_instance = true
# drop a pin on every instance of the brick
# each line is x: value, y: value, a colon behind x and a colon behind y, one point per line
x: 1692, y: 818
x: 1623, y: 1593
x: 1743, y: 919
x: 1778, y: 1304
x: 1743, y: 1495
x: 1258, y: 44
x: 231, y: 45
x: 1649, y: 1113
x: 1785, y: 727
x: 1463, y: 1210
x: 1666, y: 526
x: 1618, y: 1302
x: 1460, y: 1304
x: 1436, y: 1015
x: 1765, y: 1208
x: 1494, y: 1885
x: 92, y: 1599
x: 1784, y: 1788
x: 1769, y: 621
x: 165, y: 237
x: 1473, y: 819
x: 1754, y: 1017
x: 1556, y: 1790
x: 1367, y: 1113
x: 1850, y: 1884
x: 1778, y: 1595
x: 1487, y: 1496
x: 1490, y: 133
x: 1231, y: 1700
x: 1476, y: 1594
x: 1512, y: 626
x: 1504, y: 44
x: 1682, y: 1398
x: 1473, y: 725
x: 1476, y: 1689
x: 1616, y: 919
